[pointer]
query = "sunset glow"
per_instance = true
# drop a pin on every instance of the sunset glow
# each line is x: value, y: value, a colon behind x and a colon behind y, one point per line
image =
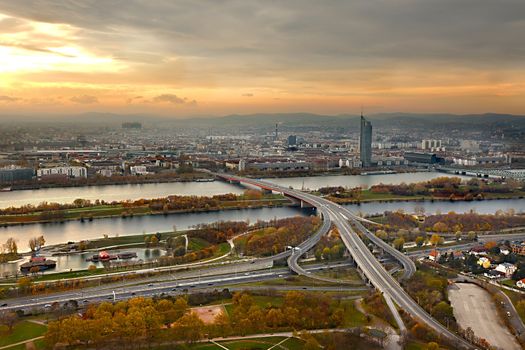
x: 197, y: 59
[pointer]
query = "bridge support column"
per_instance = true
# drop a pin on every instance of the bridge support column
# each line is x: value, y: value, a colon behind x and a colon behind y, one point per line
x: 305, y: 204
x: 363, y: 277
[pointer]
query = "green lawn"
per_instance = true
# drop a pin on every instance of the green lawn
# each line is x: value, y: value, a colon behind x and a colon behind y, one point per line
x: 353, y: 317
x: 263, y: 343
x: 22, y: 331
x: 246, y: 344
x: 39, y: 344
x: 196, y: 243
x: 346, y: 274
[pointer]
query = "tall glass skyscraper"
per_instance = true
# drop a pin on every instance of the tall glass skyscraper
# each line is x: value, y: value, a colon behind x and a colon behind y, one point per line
x: 365, y: 142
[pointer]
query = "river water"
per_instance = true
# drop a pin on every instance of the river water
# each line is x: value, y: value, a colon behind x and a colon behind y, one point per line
x: 55, y: 233
x: 156, y: 190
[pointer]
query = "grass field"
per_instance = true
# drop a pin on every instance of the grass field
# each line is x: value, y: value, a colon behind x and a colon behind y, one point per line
x: 353, y: 317
x: 243, y: 344
x: 23, y: 330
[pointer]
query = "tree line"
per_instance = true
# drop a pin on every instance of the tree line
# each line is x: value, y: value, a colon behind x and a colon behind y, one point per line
x: 142, y: 322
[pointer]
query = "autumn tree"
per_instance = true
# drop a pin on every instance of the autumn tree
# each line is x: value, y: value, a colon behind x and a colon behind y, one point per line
x: 399, y: 243
x: 8, y: 319
x: 10, y: 246
x: 189, y: 328
x: 36, y: 243
x: 436, y: 239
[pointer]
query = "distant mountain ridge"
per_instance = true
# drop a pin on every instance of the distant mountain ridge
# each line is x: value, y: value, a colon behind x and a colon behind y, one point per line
x: 284, y: 119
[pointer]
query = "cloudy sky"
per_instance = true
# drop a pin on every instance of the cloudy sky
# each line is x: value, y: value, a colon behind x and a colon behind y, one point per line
x: 182, y: 58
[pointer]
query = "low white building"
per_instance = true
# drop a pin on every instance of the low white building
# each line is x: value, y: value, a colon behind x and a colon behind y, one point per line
x: 507, y: 268
x: 70, y: 171
x: 138, y: 170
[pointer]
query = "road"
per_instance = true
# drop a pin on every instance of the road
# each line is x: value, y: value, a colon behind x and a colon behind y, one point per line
x: 179, y: 285
x: 371, y: 267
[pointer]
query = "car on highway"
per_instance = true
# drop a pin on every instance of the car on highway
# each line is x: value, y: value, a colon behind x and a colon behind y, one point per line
x: 150, y: 284
x: 3, y: 305
x: 47, y: 306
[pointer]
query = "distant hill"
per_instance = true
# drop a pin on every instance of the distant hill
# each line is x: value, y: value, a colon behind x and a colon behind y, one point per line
x: 289, y: 120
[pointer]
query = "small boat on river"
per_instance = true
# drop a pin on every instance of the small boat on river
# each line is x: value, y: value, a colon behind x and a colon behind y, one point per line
x: 105, y: 256
x: 40, y: 262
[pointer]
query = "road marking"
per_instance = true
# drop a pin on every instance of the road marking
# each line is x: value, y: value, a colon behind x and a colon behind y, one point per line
x: 219, y: 345
x: 279, y: 343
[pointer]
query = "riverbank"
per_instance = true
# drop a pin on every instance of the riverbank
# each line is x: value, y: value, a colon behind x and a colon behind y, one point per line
x: 368, y: 197
x: 124, y: 180
x: 335, y: 172
x: 123, y: 211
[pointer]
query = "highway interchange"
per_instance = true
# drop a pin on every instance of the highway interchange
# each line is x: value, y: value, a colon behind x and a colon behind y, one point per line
x: 350, y: 228
x: 366, y: 261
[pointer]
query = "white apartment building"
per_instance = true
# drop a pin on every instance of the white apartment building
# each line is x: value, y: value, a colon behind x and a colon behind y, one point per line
x: 70, y: 171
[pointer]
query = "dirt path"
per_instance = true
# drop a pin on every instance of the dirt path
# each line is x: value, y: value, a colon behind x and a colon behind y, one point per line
x: 474, y: 308
x: 392, y: 340
x: 21, y: 342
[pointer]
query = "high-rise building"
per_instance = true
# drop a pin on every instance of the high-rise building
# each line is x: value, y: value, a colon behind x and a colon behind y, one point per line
x: 292, y: 140
x: 431, y: 145
x: 365, y: 142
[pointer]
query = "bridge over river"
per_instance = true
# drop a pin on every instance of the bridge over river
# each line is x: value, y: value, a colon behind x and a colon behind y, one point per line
x: 348, y: 225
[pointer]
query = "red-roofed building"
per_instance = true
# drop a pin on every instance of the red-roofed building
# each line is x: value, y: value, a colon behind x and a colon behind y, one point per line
x: 433, y: 255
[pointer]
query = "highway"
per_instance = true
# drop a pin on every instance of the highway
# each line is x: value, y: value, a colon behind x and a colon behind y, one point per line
x: 371, y: 267
x: 175, y: 286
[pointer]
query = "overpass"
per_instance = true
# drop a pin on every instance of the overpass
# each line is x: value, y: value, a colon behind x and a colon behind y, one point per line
x: 374, y: 271
x: 484, y: 173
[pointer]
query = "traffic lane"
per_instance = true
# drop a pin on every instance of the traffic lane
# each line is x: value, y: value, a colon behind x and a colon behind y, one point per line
x: 164, y: 286
x: 377, y: 274
x: 385, y: 283
x: 180, y: 277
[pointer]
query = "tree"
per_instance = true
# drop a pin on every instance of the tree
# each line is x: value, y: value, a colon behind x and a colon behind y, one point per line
x: 440, y: 227
x: 442, y: 311
x: 458, y: 235
x: 326, y: 253
x: 11, y: 247
x: 24, y: 283
x: 471, y: 236
x: 189, y: 328
x: 382, y: 234
x: 436, y: 239
x: 36, y: 243
x: 154, y: 240
x: 419, y: 241
x: 8, y: 319
x: 432, y: 346
x: 399, y: 243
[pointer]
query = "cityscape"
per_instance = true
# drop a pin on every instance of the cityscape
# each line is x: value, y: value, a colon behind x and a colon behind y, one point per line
x: 235, y: 175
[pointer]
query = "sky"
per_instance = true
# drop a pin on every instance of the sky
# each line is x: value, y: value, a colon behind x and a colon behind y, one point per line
x: 198, y: 57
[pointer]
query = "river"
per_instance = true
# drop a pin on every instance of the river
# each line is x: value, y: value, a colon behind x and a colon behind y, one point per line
x: 156, y: 190
x: 55, y: 233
